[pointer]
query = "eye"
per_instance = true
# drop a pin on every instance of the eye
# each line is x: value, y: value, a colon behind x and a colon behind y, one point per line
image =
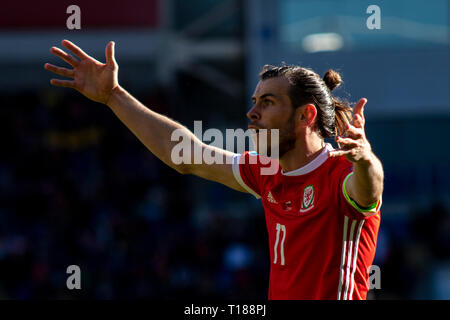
x: 268, y: 102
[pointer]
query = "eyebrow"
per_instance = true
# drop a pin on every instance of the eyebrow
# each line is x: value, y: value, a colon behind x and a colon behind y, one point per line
x: 266, y: 95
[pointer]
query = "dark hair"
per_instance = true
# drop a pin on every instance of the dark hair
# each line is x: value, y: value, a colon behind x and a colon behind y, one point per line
x: 306, y: 86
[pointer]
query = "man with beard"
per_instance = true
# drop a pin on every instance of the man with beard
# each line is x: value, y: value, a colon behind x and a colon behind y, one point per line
x: 322, y: 205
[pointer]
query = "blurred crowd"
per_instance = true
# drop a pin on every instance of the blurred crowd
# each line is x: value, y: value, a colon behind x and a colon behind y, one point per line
x: 77, y: 188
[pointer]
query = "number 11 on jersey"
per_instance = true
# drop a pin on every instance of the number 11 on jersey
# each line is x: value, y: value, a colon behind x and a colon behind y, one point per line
x: 279, y: 228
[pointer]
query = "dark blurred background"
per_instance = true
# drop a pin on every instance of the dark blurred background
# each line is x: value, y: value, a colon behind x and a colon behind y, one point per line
x: 76, y: 187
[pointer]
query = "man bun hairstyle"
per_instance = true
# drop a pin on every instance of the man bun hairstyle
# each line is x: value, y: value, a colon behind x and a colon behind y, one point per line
x: 306, y: 86
x: 332, y: 79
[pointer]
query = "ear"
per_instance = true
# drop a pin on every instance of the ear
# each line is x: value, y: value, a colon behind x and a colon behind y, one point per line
x: 308, y: 114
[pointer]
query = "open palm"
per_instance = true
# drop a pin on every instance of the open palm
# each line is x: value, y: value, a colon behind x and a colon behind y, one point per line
x: 92, y: 78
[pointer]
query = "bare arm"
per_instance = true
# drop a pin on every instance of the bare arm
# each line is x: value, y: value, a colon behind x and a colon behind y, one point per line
x: 155, y: 131
x: 365, y: 185
x: 99, y: 82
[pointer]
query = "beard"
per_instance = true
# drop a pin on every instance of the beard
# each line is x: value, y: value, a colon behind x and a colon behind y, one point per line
x: 286, y: 140
x: 287, y: 137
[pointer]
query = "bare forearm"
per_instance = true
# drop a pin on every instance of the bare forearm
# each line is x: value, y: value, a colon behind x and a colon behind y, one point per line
x: 99, y: 82
x: 152, y: 129
x: 367, y: 182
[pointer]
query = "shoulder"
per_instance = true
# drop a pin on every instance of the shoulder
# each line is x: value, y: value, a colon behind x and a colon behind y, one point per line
x: 253, y: 171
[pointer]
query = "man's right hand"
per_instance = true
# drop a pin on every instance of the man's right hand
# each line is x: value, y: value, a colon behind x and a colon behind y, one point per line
x: 98, y: 82
x: 93, y: 79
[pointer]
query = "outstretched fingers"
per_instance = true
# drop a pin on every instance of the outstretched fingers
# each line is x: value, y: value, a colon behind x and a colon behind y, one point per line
x: 59, y: 70
x: 65, y: 56
x: 63, y: 83
x: 75, y: 49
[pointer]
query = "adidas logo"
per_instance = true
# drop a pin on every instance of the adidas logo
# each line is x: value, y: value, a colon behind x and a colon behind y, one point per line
x: 270, y: 198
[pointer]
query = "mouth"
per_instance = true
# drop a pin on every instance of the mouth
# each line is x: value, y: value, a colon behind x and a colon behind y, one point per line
x: 254, y: 128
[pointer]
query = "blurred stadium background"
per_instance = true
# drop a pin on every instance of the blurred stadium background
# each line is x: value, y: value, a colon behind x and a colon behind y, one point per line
x: 76, y: 187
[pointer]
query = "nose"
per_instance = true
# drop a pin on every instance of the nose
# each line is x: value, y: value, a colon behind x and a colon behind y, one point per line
x: 253, y: 114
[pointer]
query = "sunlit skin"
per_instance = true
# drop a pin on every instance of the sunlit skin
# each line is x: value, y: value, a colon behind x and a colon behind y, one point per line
x: 92, y: 78
x: 300, y: 141
x: 272, y: 109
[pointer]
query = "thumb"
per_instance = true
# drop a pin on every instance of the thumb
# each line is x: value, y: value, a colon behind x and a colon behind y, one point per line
x: 359, y: 107
x: 109, y: 53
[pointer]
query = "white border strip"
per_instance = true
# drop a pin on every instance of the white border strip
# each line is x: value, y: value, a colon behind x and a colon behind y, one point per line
x: 237, y: 175
x: 313, y: 165
x: 344, y: 245
x: 355, y: 256
x: 349, y: 257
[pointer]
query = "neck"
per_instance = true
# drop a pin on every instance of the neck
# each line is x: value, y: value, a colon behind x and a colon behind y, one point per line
x: 305, y: 150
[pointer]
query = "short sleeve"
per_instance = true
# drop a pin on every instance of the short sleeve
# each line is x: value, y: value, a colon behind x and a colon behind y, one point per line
x: 350, y: 207
x: 246, y: 170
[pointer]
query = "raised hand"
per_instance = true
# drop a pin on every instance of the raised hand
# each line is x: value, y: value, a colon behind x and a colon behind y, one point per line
x: 93, y: 79
x: 354, y: 145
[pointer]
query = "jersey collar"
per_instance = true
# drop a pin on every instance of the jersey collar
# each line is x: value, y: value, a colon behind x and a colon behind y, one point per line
x: 313, y: 165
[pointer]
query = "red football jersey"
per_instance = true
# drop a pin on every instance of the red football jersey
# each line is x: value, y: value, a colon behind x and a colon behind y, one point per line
x: 321, y: 245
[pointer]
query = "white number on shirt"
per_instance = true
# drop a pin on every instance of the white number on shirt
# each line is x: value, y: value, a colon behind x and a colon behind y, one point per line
x: 280, y: 227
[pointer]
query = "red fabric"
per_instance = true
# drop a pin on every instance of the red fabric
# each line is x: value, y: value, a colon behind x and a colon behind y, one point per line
x: 312, y: 240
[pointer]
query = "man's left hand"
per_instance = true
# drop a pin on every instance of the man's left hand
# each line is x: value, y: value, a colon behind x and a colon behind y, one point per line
x: 354, y: 144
